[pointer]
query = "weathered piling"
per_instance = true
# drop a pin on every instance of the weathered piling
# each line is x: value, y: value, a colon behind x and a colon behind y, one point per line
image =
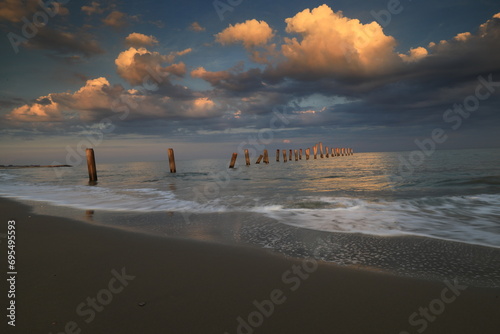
x: 296, y: 155
x: 290, y: 158
x: 327, y: 152
x: 337, y: 152
x: 284, y: 156
x: 343, y: 151
x: 321, y: 150
x: 277, y: 155
x: 315, y: 151
x: 300, y: 154
x: 91, y: 165
x: 233, y: 160
x: 308, y: 153
x: 171, y: 160
x: 259, y: 159
x: 333, y: 152
x: 266, y: 157
x: 247, y: 157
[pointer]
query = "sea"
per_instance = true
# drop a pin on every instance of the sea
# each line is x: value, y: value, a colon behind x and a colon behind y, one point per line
x: 434, y: 216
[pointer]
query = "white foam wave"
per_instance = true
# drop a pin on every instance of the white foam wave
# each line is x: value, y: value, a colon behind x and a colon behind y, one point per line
x: 100, y: 198
x: 470, y: 219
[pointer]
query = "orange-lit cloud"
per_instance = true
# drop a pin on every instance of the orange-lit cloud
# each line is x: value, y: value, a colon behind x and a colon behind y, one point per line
x: 116, y: 19
x: 414, y: 55
x: 195, y: 26
x: 251, y: 33
x: 135, y: 65
x: 463, y: 36
x: 212, y: 77
x: 95, y: 8
x: 136, y: 40
x: 45, y: 110
x: 330, y: 43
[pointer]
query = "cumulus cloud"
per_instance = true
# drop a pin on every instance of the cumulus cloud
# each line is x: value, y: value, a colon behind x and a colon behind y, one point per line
x: 94, y: 8
x: 414, y: 55
x: 251, y: 33
x: 116, y: 19
x: 135, y: 65
x: 331, y: 44
x: 46, y: 110
x: 137, y: 39
x: 462, y: 37
x: 195, y: 26
x: 91, y: 101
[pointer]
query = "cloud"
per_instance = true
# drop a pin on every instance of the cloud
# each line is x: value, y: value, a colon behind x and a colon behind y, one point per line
x: 65, y: 43
x: 462, y: 37
x: 333, y: 45
x: 116, y: 19
x: 414, y: 55
x: 135, y: 65
x: 37, y: 112
x: 15, y: 10
x: 95, y: 8
x: 195, y: 26
x: 136, y: 40
x: 250, y: 33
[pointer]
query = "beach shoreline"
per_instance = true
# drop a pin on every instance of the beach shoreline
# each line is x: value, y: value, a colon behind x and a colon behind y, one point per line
x: 187, y: 286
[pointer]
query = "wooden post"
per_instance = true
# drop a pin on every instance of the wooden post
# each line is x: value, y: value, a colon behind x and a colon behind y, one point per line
x: 259, y: 159
x: 284, y: 156
x: 91, y: 165
x: 321, y: 150
x: 308, y: 152
x: 300, y: 154
x: 343, y: 151
x: 277, y: 155
x: 296, y: 155
x: 337, y: 152
x: 171, y: 160
x: 247, y: 157
x: 327, y: 152
x: 266, y: 157
x: 315, y: 151
x: 233, y: 160
x: 333, y: 152
x: 290, y: 156
x: 352, y: 151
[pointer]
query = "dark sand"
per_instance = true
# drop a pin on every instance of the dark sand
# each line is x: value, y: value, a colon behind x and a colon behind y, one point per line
x: 195, y: 287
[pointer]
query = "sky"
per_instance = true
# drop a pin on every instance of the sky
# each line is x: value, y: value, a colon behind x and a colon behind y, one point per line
x: 208, y: 78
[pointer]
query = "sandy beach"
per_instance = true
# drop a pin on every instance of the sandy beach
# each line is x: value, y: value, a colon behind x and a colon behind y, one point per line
x: 75, y: 277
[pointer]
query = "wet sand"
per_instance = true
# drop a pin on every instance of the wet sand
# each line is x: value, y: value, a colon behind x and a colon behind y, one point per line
x: 75, y: 276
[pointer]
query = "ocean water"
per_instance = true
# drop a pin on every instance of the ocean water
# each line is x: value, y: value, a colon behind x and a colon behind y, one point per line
x: 352, y: 210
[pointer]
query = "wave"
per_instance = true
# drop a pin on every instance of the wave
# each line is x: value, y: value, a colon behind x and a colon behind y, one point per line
x: 101, y: 198
x: 469, y: 219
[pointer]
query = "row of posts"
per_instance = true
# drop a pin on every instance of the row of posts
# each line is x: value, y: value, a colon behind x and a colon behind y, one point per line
x: 297, y: 154
x: 93, y: 170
